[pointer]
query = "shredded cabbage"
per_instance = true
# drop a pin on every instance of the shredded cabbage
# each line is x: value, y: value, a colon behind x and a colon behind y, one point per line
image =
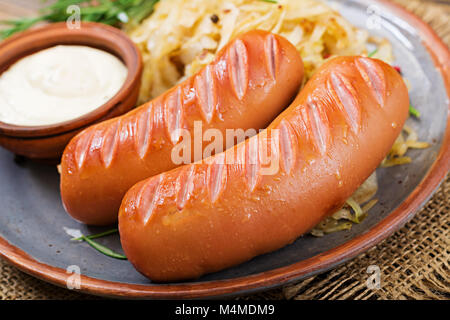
x: 353, y: 211
x: 181, y: 37
x: 397, y: 154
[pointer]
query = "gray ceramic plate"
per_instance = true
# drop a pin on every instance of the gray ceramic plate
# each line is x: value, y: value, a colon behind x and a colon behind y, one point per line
x: 32, y: 219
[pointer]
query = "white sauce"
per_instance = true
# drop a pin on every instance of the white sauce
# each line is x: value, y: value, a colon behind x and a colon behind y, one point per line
x: 59, y: 84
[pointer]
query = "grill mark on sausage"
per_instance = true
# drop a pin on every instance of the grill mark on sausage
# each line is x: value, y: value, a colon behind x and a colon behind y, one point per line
x: 189, y: 96
x: 148, y: 198
x: 143, y: 132
x: 287, y: 149
x: 174, y: 115
x: 272, y: 55
x: 110, y: 143
x: 97, y: 140
x: 345, y: 95
x: 374, y: 78
x: 186, y: 186
x: 298, y: 125
x: 205, y: 88
x: 217, y: 177
x: 236, y: 156
x: 82, y: 148
x: 252, y: 163
x: 238, y: 68
x: 126, y: 130
x: 158, y: 127
x: 319, y: 126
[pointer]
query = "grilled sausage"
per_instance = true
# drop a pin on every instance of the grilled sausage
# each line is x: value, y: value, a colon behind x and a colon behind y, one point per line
x: 250, y: 82
x: 217, y: 213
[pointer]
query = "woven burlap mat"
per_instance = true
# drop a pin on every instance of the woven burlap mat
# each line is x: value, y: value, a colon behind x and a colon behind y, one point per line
x: 414, y: 262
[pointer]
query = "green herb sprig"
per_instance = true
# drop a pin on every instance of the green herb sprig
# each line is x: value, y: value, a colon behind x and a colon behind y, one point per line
x: 98, y: 235
x: 110, y: 12
x: 99, y: 247
x: 371, y: 54
x: 105, y: 250
x: 413, y: 111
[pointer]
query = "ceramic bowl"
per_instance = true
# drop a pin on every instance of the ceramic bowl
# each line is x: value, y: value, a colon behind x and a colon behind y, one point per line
x: 47, y: 142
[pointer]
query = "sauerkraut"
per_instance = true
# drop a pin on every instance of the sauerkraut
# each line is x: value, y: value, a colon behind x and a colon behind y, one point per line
x: 355, y: 209
x: 397, y: 154
x: 182, y: 36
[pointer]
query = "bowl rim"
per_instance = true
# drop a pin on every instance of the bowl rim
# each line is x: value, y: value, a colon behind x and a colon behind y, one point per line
x: 288, y: 274
x: 107, y: 38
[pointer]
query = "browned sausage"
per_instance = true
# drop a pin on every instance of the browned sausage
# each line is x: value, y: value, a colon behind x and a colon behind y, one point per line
x: 251, y: 81
x: 208, y: 216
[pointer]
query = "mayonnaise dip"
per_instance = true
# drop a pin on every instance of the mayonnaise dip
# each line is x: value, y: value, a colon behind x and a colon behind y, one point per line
x: 59, y: 84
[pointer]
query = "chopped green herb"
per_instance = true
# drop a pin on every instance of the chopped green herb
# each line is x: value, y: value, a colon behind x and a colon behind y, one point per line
x: 413, y: 111
x: 370, y: 55
x: 270, y: 1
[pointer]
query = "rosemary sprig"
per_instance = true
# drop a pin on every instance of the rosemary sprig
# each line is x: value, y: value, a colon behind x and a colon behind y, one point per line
x: 18, y: 25
x: 111, y: 12
x: 99, y: 247
x: 102, y: 249
x: 98, y: 235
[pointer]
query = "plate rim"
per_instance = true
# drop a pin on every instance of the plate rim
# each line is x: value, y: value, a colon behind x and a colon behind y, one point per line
x: 329, y: 259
